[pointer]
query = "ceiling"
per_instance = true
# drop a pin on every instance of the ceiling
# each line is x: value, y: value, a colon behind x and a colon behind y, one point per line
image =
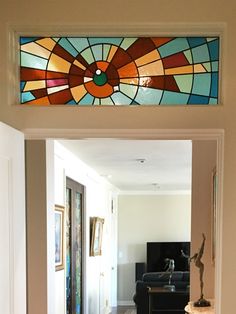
x: 138, y: 165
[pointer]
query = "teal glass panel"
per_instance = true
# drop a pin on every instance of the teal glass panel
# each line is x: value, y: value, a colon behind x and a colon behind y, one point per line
x: 26, y: 40
x: 214, y: 85
x: 106, y: 101
x: 79, y: 43
x: 201, y: 54
x: 196, y: 41
x: 120, y: 99
x: 215, y: 66
x: 105, y: 40
x: 88, y: 55
x: 184, y: 83
x: 27, y: 96
x: 31, y: 61
x: 96, y: 101
x: 174, y: 98
x: 22, y: 85
x: 68, y: 47
x: 148, y: 95
x: 97, y: 52
x: 121, y: 70
x: 213, y: 101
x: 71, y: 102
x: 86, y: 100
x: 202, y: 84
x: 214, y: 50
x: 127, y: 42
x: 174, y: 46
x: 129, y: 90
x: 198, y: 100
x: 106, y: 49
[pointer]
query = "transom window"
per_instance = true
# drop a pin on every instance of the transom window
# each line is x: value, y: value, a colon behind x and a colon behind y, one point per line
x: 119, y: 70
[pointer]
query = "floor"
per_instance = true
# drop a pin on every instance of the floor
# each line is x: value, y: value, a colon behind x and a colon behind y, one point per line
x: 124, y: 310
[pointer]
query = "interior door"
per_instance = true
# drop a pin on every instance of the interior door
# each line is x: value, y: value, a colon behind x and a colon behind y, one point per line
x: 74, y: 250
x: 12, y: 222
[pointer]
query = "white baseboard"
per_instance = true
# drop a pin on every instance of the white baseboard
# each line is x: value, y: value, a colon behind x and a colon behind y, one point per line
x: 125, y: 303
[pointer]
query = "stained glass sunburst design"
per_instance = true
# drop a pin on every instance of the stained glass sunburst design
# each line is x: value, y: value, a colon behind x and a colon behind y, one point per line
x: 119, y: 70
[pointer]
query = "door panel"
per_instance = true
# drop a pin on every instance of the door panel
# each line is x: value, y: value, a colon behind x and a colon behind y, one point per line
x: 12, y: 222
x: 74, y: 233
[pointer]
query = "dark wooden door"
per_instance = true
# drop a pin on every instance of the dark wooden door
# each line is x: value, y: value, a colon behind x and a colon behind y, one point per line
x: 74, y: 246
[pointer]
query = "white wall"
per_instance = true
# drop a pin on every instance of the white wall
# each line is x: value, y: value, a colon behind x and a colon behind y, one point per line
x: 98, y: 193
x: 146, y: 218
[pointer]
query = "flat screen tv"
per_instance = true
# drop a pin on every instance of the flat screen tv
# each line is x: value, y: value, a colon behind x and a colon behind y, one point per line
x: 157, y: 252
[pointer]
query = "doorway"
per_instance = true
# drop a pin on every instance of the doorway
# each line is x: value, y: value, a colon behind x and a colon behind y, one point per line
x: 218, y: 137
x: 215, y: 159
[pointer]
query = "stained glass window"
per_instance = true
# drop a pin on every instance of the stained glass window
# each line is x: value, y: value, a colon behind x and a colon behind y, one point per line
x: 119, y: 70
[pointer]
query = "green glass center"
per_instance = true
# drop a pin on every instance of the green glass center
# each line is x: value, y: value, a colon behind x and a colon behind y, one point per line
x: 100, y: 78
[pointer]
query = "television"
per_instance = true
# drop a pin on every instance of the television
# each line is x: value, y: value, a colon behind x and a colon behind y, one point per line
x: 157, y: 252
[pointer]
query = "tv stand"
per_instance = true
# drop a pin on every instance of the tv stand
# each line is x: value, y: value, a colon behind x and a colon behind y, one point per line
x: 162, y: 300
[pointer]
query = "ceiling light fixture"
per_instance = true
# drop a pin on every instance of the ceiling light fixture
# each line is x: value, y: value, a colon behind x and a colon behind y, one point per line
x: 141, y: 160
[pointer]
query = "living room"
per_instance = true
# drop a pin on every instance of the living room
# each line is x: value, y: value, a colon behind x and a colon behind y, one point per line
x: 132, y: 244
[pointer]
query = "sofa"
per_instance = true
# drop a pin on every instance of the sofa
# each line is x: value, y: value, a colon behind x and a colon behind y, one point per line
x: 169, y: 302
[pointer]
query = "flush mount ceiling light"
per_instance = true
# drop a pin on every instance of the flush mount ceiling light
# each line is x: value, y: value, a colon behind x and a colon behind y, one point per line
x: 141, y: 160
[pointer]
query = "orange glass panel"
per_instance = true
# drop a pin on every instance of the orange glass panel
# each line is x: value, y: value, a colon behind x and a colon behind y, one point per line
x: 102, y: 65
x: 47, y: 43
x: 111, y: 53
x: 129, y: 70
x: 78, y: 92
x: 199, y: 68
x: 152, y: 69
x: 58, y: 64
x: 99, y: 91
x: 180, y: 70
x: 132, y: 81
x: 43, y: 101
x: 79, y: 65
x: 32, y: 85
x: 35, y: 49
x: 148, y: 58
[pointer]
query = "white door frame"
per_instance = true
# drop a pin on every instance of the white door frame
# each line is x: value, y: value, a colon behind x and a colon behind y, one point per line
x: 12, y: 222
x: 159, y: 134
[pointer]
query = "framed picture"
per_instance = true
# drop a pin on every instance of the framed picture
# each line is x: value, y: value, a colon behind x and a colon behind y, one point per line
x: 96, y: 230
x: 213, y: 214
x: 59, y: 237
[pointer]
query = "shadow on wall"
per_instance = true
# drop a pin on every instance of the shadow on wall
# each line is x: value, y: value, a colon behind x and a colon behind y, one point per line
x: 126, y: 282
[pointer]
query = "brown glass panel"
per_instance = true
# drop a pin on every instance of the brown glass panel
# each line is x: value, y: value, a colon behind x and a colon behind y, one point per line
x: 39, y: 93
x: 140, y: 47
x: 159, y: 41
x: 76, y: 70
x: 82, y: 60
x: 120, y: 58
x: 175, y: 60
x: 53, y: 75
x: 160, y: 82
x: 58, y: 50
x: 75, y: 80
x: 170, y: 84
x: 28, y: 74
x: 61, y: 97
